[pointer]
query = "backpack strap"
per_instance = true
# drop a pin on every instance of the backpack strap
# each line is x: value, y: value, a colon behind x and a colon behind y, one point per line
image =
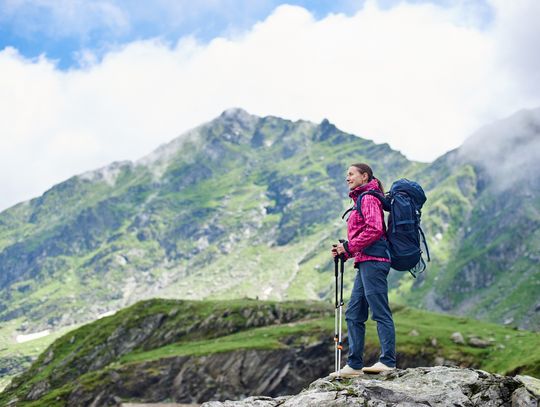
x: 425, y: 244
x: 358, y: 205
x: 347, y: 211
x: 371, y: 192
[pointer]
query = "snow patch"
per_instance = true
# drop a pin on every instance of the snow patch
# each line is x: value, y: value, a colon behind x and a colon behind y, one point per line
x: 31, y: 337
x: 106, y: 314
x: 202, y: 243
x: 266, y: 293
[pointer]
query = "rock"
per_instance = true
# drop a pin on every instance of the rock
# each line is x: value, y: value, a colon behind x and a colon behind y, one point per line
x: 38, y: 390
x: 532, y: 384
x: 48, y: 358
x: 414, y: 332
x: 250, y: 401
x: 431, y: 386
x: 434, y: 342
x: 522, y: 398
x: 457, y: 338
x: 478, y: 343
x: 12, y: 402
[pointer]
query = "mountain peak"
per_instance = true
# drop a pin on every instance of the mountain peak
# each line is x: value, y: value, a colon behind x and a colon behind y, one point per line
x: 237, y: 114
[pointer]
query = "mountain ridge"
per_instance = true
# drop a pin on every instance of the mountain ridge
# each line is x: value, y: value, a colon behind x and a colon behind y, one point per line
x: 244, y: 206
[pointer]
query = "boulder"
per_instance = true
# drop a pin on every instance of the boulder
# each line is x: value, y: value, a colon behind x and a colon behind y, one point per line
x: 423, y: 386
x: 457, y: 338
x: 478, y: 343
x: 531, y: 384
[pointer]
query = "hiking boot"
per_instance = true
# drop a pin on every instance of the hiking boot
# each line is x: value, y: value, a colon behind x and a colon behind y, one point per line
x: 377, y: 368
x: 347, y: 371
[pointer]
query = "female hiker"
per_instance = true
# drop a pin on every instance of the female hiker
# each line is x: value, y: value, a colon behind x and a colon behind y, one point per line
x: 368, y: 247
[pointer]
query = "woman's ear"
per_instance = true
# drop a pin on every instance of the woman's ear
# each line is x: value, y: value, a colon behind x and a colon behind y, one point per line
x: 365, y: 177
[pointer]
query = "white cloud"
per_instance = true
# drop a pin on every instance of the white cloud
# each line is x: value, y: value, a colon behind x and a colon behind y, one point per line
x: 415, y: 76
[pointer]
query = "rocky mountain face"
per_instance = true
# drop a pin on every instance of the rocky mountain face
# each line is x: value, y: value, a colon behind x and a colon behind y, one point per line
x: 161, y: 349
x: 233, y: 208
x: 191, y: 380
x: 436, y: 387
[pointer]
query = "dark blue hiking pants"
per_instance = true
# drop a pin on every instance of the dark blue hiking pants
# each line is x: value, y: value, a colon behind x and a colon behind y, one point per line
x: 370, y: 291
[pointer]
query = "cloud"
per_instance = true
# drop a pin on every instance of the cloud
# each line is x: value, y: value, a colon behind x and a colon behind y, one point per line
x: 508, y: 150
x: 516, y: 34
x: 419, y: 77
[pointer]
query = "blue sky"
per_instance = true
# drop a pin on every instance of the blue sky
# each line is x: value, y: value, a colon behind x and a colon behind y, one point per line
x: 62, y: 29
x: 85, y: 83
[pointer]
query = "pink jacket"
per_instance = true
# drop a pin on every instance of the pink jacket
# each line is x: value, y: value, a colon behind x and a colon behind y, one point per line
x: 363, y: 231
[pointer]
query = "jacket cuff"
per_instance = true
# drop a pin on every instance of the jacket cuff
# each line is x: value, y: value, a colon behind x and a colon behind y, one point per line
x: 346, y: 247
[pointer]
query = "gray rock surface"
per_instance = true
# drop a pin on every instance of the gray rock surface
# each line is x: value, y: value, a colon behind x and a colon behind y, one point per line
x: 531, y: 384
x: 457, y: 337
x: 433, y: 386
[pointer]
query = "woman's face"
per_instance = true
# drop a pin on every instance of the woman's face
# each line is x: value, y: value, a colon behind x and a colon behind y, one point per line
x: 355, y: 178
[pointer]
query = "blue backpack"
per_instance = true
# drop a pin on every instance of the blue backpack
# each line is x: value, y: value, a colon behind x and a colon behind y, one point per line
x: 404, y: 203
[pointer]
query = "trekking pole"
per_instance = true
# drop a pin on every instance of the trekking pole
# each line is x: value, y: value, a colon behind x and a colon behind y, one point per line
x: 341, y: 303
x: 336, y: 334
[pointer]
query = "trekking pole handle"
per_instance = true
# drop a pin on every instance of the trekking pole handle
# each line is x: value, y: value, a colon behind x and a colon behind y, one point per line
x: 342, y: 256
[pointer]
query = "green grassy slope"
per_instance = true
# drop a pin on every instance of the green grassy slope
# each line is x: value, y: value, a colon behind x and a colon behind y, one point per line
x: 161, y: 329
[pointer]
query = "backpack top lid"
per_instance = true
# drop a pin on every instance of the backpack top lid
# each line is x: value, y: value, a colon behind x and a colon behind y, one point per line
x: 411, y: 188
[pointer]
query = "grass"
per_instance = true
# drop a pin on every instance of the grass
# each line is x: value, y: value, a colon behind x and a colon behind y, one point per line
x: 511, y: 352
x: 266, y: 338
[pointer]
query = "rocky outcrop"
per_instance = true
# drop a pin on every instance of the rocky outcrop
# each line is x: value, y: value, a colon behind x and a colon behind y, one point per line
x: 221, y: 376
x: 433, y: 386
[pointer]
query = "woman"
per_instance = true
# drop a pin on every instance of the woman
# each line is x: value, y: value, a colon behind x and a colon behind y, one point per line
x: 368, y: 246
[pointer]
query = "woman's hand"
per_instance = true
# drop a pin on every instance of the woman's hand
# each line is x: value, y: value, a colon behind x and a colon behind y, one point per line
x: 337, y: 249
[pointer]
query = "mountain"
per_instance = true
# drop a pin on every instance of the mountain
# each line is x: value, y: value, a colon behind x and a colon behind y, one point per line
x: 484, y: 213
x: 247, y: 206
x: 241, y: 206
x: 194, y: 351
